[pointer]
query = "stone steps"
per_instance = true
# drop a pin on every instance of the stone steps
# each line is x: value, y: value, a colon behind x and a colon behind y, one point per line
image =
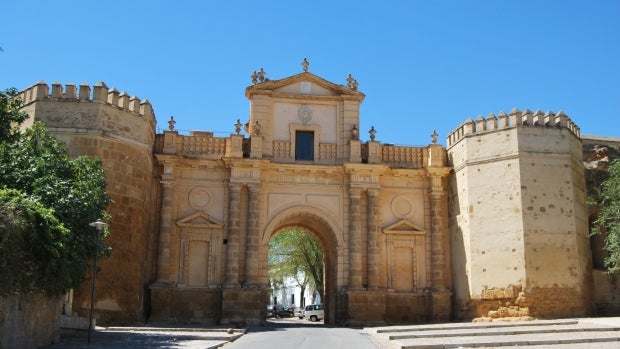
x: 499, y: 334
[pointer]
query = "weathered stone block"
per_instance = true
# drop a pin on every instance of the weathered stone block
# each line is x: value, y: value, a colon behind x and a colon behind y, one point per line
x: 488, y: 294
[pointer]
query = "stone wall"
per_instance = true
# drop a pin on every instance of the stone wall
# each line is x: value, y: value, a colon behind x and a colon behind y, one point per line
x: 29, y: 321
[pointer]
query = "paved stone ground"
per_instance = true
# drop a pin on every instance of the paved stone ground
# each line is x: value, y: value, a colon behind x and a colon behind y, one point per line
x: 147, y: 337
x: 587, y: 333
x: 584, y: 333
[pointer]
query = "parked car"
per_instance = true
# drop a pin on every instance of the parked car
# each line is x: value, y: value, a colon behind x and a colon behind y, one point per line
x: 299, y: 312
x: 314, y: 312
x: 282, y: 311
x: 270, y: 311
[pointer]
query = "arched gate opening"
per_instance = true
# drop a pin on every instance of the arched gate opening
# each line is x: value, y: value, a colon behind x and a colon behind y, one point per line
x: 318, y: 224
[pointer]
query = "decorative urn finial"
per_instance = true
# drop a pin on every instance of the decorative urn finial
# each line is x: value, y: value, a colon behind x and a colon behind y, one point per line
x: 373, y: 133
x: 171, y: 123
x: 305, y: 65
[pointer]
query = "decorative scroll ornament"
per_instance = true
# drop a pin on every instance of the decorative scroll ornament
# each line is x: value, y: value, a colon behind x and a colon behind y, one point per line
x: 305, y: 114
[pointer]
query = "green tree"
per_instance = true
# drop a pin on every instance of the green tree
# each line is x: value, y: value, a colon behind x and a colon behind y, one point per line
x: 296, y: 254
x: 606, y: 201
x: 10, y: 115
x: 31, y: 242
x: 39, y: 166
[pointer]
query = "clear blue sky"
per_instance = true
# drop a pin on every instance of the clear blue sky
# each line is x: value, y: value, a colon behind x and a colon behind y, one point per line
x: 423, y: 65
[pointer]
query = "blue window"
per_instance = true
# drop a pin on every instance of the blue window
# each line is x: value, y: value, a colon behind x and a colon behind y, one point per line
x: 304, y: 145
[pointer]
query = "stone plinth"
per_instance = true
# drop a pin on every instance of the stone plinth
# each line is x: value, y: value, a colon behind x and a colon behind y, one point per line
x: 244, y: 306
x: 185, y: 305
x: 367, y: 307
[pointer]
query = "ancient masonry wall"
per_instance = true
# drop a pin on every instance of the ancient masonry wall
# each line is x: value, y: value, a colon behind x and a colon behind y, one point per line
x: 30, y: 320
x: 518, y: 217
x: 120, y: 130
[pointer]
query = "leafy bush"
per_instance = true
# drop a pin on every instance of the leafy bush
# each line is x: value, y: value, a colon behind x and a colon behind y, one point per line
x: 32, y: 241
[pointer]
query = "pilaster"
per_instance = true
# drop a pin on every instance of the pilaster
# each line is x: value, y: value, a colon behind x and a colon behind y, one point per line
x: 256, y: 147
x: 166, y: 229
x: 440, y: 244
x: 374, y: 152
x: 355, y: 241
x: 374, y: 248
x: 170, y: 142
x: 253, y: 239
x: 355, y: 151
x: 437, y: 156
x: 234, y: 146
x: 232, y: 239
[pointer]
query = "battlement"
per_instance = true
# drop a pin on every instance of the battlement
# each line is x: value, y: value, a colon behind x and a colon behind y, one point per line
x: 516, y: 118
x: 84, y: 93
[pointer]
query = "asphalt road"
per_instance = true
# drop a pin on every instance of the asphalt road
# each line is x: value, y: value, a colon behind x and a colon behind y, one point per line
x: 301, y: 334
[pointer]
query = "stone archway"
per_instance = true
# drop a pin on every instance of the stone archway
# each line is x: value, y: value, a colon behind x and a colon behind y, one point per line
x: 318, y: 224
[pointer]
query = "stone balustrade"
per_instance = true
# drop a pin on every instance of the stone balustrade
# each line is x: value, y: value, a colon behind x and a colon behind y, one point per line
x: 516, y: 118
x: 205, y: 145
x: 282, y: 150
x: 327, y: 151
x: 402, y: 156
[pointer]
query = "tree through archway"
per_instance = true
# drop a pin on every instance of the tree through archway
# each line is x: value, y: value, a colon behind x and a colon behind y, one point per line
x: 296, y: 257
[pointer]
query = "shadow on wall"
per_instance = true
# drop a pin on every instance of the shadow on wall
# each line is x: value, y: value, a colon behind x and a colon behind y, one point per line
x: 461, y: 306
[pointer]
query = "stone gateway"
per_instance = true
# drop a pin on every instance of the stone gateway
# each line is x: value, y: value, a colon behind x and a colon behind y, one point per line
x: 493, y: 225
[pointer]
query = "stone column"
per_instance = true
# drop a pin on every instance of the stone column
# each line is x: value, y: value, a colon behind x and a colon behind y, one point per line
x: 252, y: 242
x: 231, y: 279
x: 355, y: 243
x: 374, y: 267
x: 166, y: 229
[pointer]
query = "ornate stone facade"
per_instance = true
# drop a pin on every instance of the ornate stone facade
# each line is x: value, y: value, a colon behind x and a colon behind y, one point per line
x: 410, y: 234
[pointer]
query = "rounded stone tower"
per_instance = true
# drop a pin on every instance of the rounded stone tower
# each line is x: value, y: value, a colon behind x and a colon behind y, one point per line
x: 120, y: 130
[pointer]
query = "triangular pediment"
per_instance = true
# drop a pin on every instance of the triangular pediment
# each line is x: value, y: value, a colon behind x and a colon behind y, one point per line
x: 302, y: 84
x: 403, y: 227
x: 199, y: 220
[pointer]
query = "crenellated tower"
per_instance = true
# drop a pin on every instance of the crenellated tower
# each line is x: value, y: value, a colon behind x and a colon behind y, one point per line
x: 119, y: 129
x: 518, y: 217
